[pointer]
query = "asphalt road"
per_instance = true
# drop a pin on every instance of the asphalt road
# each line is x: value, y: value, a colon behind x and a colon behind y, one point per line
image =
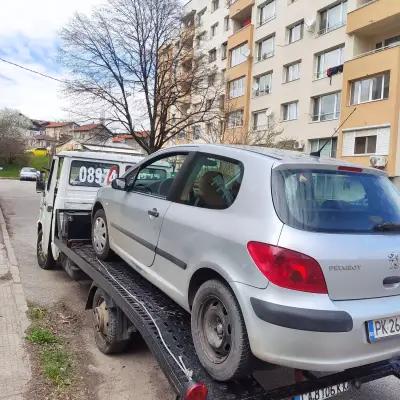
x: 132, y: 376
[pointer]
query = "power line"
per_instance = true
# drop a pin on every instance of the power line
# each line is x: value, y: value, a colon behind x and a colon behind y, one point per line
x: 31, y: 70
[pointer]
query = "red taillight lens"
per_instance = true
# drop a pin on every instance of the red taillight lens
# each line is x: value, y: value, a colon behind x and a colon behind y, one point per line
x: 198, y: 391
x: 349, y: 169
x: 287, y: 268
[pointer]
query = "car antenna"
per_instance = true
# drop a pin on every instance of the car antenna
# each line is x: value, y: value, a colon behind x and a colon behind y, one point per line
x: 318, y: 152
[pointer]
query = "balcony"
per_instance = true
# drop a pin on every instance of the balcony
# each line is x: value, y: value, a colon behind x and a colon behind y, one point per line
x: 374, y: 17
x: 240, y: 9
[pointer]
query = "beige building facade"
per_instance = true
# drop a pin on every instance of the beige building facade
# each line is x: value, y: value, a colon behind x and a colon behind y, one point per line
x: 303, y: 66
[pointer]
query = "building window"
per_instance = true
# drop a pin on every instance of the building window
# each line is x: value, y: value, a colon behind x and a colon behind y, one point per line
x: 224, y: 50
x: 239, y: 54
x: 290, y: 111
x: 326, y: 107
x: 392, y: 41
x: 214, y: 29
x: 370, y: 89
x: 199, y: 17
x: 333, y: 17
x: 196, y: 132
x: 201, y: 37
x: 236, y: 88
x: 214, y: 5
x: 211, y: 79
x: 212, y: 55
x: 235, y: 119
x: 291, y: 72
x: 366, y: 141
x: 226, y: 23
x: 365, y: 144
x: 265, y: 48
x: 262, y: 84
x: 266, y: 12
x: 330, y: 146
x: 295, y: 32
x: 328, y: 59
x: 260, y: 120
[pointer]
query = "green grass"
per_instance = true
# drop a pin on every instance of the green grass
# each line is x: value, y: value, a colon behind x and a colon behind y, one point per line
x: 39, y: 335
x: 36, y: 313
x: 57, y: 365
x: 12, y: 170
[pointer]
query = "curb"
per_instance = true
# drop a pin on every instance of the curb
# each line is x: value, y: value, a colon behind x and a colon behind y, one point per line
x: 20, y: 299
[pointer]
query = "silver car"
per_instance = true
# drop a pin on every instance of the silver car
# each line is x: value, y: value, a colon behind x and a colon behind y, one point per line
x: 279, y: 256
x: 28, y: 174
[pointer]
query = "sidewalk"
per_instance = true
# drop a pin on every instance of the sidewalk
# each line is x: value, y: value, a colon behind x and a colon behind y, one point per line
x: 14, y: 361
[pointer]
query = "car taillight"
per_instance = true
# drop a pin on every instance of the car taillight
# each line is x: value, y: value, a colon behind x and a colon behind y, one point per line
x: 288, y: 268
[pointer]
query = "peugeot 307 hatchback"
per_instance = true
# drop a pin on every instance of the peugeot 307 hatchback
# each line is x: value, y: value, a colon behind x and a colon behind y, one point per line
x: 278, y: 256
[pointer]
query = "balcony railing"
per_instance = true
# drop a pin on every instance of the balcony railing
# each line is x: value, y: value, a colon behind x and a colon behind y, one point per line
x: 374, y: 51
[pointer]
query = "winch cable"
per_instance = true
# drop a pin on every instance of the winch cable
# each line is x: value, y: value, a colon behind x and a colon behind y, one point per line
x: 178, y: 360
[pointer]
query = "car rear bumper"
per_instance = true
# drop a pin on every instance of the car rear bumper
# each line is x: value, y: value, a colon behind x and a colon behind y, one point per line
x: 311, y: 332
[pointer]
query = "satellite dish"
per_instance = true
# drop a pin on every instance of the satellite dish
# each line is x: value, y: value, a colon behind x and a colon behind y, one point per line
x: 256, y: 86
x: 268, y: 112
x: 246, y: 52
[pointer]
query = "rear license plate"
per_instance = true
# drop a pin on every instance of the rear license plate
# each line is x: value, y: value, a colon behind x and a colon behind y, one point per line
x: 383, y: 328
x: 326, y: 393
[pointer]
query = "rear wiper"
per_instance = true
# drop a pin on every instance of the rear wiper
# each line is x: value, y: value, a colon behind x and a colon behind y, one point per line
x: 387, y: 227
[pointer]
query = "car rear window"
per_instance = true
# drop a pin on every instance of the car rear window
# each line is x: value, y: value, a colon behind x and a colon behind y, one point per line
x: 334, y: 201
x: 92, y: 173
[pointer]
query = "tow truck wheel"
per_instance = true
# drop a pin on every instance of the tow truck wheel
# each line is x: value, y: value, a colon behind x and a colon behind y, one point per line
x: 100, y: 241
x: 45, y: 261
x: 219, y: 333
x: 72, y: 270
x: 108, y: 325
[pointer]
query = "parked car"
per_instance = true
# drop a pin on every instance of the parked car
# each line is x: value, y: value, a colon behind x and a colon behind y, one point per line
x: 28, y: 174
x: 279, y: 256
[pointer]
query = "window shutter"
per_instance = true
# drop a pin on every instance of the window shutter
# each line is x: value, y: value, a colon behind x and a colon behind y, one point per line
x: 348, y: 144
x: 383, y: 141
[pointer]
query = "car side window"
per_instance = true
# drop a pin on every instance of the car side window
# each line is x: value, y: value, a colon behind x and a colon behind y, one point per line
x: 49, y: 179
x: 214, y: 182
x: 157, y: 177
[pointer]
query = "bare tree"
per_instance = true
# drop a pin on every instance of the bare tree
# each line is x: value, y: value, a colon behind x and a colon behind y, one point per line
x: 125, y: 58
x: 12, y: 128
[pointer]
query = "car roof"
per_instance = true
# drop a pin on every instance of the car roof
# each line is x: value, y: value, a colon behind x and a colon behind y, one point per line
x: 104, y: 156
x: 279, y: 156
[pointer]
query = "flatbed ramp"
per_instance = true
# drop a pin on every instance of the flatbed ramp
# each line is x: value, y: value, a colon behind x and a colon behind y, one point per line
x: 165, y: 327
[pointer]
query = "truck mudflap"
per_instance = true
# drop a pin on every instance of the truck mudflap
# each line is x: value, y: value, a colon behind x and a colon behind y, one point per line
x: 165, y: 327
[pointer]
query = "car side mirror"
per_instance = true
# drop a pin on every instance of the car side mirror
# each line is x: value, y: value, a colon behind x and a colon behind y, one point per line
x: 40, y: 182
x: 119, y: 184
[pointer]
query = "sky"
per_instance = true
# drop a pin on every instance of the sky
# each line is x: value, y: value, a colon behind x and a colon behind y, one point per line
x: 29, y: 36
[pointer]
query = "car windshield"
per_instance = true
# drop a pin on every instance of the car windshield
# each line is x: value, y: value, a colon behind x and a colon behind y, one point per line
x: 335, y: 201
x: 27, y: 169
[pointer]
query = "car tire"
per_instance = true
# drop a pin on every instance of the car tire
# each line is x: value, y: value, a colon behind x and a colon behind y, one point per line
x: 108, y: 323
x: 45, y: 261
x: 100, y: 241
x: 219, y: 332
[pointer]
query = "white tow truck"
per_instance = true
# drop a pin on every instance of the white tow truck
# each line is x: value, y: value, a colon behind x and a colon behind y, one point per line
x: 72, y: 182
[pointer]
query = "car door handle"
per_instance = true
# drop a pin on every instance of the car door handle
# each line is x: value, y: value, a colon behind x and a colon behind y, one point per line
x: 153, y: 213
x: 391, y: 281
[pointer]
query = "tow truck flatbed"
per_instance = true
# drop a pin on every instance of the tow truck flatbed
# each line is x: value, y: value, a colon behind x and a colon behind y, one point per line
x: 165, y: 327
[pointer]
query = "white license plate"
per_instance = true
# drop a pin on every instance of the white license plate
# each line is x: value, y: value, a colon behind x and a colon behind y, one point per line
x: 326, y: 393
x: 383, y: 328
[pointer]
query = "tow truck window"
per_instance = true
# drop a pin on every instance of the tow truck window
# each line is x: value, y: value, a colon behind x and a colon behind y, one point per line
x: 92, y: 173
x: 50, y: 174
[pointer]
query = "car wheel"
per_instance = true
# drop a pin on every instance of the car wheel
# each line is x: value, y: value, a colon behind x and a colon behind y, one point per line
x: 100, y: 240
x: 108, y: 325
x: 45, y: 261
x: 219, y: 333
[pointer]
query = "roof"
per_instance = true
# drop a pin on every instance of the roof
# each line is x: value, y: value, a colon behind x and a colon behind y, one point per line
x: 278, y: 155
x: 58, y: 124
x: 90, y: 127
x: 126, y: 136
x: 103, y: 156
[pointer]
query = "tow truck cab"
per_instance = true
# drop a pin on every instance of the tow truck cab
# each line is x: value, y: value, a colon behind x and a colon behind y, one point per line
x: 72, y: 182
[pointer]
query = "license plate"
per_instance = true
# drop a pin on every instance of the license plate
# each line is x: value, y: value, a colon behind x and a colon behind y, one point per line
x: 326, y: 393
x: 383, y: 328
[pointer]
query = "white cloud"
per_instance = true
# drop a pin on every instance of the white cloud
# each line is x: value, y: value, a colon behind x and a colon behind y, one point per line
x: 28, y: 36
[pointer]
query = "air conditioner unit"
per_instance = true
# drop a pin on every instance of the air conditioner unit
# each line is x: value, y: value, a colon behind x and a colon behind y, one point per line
x: 298, y: 145
x: 379, y: 162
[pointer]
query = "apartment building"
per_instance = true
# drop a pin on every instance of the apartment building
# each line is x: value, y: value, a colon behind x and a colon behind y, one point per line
x: 302, y: 66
